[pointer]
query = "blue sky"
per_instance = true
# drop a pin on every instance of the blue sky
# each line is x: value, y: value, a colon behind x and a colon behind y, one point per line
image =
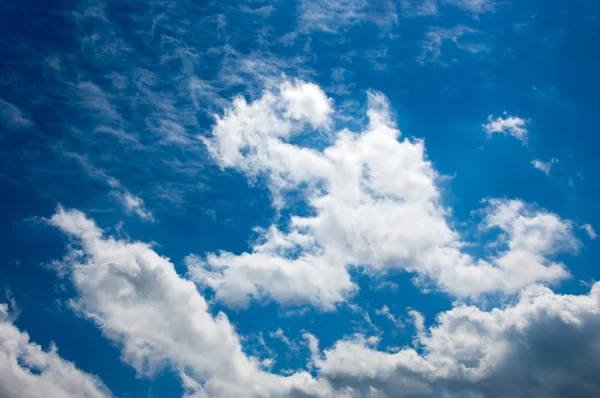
x: 362, y: 198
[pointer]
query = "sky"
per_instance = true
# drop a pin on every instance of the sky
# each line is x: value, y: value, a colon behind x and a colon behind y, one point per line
x: 354, y: 198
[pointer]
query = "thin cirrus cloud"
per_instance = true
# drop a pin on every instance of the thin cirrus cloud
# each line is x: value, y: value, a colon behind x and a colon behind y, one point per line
x: 422, y: 8
x: 131, y: 203
x: 12, y: 117
x: 473, y: 7
x: 376, y: 204
x: 462, y: 37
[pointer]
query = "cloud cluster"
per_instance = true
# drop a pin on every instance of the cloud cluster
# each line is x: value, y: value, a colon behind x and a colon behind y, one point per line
x: 159, y: 319
x: 371, y: 201
x: 544, y: 344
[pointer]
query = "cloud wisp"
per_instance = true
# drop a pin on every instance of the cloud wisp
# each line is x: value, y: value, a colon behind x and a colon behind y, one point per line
x: 507, y: 125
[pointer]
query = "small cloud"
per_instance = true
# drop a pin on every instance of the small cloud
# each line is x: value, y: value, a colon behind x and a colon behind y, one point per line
x: 473, y: 7
x: 419, y: 8
x: 590, y: 231
x: 507, y: 125
x: 12, y: 117
x: 544, y: 166
x: 264, y: 11
x: 385, y: 312
x: 280, y: 335
x: 134, y: 204
x: 436, y: 38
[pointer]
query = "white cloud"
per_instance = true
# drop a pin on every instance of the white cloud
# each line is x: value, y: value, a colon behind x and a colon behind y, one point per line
x: 98, y: 101
x: 12, y: 117
x: 436, y: 38
x: 545, y: 344
x: 419, y: 321
x: 329, y: 16
x: 590, y: 231
x: 507, y: 125
x: 134, y: 204
x: 374, y: 203
x: 280, y: 335
x: 29, y: 371
x: 544, y: 166
x: 386, y: 312
x: 338, y: 16
x: 419, y: 8
x: 160, y: 320
x: 131, y: 203
x: 474, y: 7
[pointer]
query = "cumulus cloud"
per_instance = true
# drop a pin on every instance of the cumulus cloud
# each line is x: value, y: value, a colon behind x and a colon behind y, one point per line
x: 159, y: 319
x: 507, y: 125
x: 544, y: 166
x: 590, y: 231
x: 29, y: 371
x: 373, y: 202
x: 543, y: 345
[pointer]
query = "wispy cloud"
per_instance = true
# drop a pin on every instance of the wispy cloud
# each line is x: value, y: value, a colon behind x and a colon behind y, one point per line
x: 473, y: 7
x: 435, y: 39
x: 590, y: 231
x: 507, y: 125
x: 28, y: 370
x: 544, y: 166
x: 387, y: 313
x: 131, y: 203
x: 134, y: 204
x: 419, y: 8
x: 11, y: 117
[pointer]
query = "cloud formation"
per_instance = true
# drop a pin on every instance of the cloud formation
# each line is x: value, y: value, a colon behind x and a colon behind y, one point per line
x: 159, y: 319
x: 543, y: 345
x: 507, y: 125
x: 372, y: 201
x: 590, y: 231
x: 544, y: 166
x: 459, y: 36
x: 473, y: 7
